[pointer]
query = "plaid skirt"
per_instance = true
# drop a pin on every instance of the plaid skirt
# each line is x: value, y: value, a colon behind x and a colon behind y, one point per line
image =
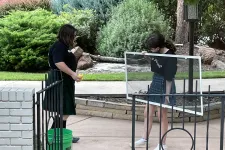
x: 158, y: 86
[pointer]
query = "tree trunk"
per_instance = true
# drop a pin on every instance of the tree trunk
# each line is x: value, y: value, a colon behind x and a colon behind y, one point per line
x: 107, y: 59
x: 182, y: 26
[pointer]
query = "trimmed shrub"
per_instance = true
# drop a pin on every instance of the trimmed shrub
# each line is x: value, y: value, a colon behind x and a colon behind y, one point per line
x: 25, y: 39
x: 129, y: 25
x: 27, y: 35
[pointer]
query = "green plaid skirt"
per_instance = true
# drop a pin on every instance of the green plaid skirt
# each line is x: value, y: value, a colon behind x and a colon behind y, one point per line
x: 158, y: 86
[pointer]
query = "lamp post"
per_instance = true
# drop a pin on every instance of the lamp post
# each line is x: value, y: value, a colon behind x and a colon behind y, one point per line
x: 191, y: 16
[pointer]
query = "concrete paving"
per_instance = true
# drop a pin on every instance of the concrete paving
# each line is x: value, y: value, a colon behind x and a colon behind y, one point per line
x: 116, y: 87
x: 112, y: 134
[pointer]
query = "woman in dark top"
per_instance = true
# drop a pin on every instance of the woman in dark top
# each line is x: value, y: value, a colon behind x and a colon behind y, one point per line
x: 63, y: 61
x: 164, y: 69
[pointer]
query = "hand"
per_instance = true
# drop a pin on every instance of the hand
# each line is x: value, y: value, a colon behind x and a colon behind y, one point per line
x: 167, y: 100
x: 76, y: 77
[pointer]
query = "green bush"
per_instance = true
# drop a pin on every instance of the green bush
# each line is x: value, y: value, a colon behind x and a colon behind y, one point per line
x: 101, y: 7
x: 27, y: 35
x: 129, y: 25
x: 212, y: 22
x: 86, y: 23
x: 25, y: 39
x: 168, y: 9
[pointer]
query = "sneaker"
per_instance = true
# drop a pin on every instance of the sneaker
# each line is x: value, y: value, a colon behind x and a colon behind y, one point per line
x: 164, y: 147
x: 140, y: 143
x: 75, y: 139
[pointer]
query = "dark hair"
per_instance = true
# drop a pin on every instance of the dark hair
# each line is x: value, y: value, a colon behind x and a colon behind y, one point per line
x: 67, y: 34
x: 156, y: 39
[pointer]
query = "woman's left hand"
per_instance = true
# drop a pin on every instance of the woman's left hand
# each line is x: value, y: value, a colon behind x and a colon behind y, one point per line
x: 76, y: 77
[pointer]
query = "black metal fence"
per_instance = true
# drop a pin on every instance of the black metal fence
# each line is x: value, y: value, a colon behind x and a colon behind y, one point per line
x: 48, y: 108
x: 191, y: 97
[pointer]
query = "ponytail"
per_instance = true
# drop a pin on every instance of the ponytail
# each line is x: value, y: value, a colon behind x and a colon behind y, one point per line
x: 170, y: 45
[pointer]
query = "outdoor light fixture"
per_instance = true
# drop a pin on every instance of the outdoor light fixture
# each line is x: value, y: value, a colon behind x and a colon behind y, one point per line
x: 191, y: 12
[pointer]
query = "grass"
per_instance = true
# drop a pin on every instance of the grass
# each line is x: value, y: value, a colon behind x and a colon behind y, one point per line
x: 134, y: 76
x: 143, y: 76
x: 21, y: 76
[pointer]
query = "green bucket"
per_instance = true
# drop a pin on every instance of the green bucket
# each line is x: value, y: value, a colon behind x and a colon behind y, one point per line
x: 53, y: 143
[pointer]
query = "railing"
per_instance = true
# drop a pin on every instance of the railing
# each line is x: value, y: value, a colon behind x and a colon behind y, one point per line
x: 47, y: 107
x: 192, y: 98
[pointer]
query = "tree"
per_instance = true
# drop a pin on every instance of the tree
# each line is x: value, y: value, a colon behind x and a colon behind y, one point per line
x: 181, y: 36
x: 167, y: 8
x: 211, y: 27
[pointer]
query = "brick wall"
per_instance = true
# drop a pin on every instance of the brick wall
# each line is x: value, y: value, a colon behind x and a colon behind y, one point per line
x: 16, y: 119
x: 112, y: 110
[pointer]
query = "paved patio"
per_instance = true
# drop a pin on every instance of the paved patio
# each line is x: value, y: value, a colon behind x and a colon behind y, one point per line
x: 115, y: 87
x: 112, y: 134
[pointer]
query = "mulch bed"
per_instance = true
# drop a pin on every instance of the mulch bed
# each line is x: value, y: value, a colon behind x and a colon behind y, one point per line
x: 179, y: 100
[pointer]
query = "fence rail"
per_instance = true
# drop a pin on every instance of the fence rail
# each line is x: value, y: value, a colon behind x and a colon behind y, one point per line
x: 193, y: 98
x: 47, y: 107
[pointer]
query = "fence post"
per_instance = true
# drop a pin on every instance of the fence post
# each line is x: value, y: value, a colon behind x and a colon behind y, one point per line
x: 222, y: 123
x: 34, y: 122
x: 133, y: 122
x: 38, y: 123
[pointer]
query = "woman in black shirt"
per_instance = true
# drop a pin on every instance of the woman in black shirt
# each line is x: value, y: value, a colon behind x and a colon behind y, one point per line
x: 164, y: 69
x: 62, y: 61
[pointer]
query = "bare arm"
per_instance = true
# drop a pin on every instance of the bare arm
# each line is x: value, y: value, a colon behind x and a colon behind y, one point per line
x: 64, y: 68
x: 170, y: 72
x: 168, y: 86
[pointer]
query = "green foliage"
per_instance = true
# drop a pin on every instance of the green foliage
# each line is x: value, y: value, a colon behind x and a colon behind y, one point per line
x: 8, y: 5
x: 25, y: 39
x: 101, y: 7
x: 87, y: 25
x: 27, y: 35
x: 212, y: 21
x: 168, y: 8
x: 211, y: 18
x: 128, y: 27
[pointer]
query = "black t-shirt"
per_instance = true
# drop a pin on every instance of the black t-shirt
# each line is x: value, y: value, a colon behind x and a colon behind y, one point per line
x: 165, y: 66
x: 59, y: 52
